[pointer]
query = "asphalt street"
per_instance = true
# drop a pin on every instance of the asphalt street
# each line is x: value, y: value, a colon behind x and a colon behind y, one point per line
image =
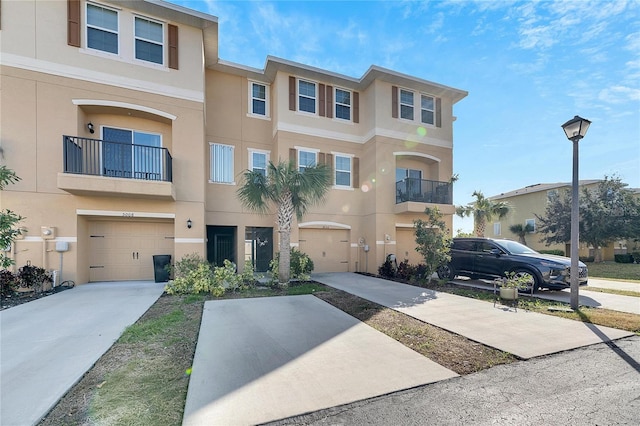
x: 594, y: 385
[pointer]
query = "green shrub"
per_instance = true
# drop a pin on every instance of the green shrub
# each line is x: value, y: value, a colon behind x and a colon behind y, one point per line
x: 623, y: 258
x: 34, y: 277
x: 555, y: 252
x: 636, y: 256
x: 226, y: 277
x: 193, y: 275
x: 405, y: 271
x: 300, y: 266
x: 387, y: 269
x: 8, y: 283
x: 586, y: 259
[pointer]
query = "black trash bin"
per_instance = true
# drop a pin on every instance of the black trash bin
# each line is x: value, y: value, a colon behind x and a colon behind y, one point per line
x: 160, y: 269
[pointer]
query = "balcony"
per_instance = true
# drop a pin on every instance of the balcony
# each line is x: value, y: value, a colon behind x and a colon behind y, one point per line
x: 111, y: 168
x: 412, y: 194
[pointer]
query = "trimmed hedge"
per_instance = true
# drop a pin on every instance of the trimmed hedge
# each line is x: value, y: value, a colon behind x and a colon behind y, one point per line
x: 623, y: 258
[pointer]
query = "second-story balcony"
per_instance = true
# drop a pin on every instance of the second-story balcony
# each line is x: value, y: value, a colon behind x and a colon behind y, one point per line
x: 115, y: 168
x: 412, y: 194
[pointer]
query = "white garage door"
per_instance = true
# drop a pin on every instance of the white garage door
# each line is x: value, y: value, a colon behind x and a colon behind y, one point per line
x: 124, y: 250
x: 328, y: 248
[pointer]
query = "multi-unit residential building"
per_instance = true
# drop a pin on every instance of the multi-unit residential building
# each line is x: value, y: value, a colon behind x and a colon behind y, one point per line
x: 531, y: 201
x: 130, y: 136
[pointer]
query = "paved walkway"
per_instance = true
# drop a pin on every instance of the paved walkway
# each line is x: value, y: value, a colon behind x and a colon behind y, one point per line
x: 263, y: 359
x: 522, y: 333
x: 47, y: 345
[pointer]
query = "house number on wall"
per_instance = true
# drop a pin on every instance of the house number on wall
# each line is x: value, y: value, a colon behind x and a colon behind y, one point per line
x: 127, y: 214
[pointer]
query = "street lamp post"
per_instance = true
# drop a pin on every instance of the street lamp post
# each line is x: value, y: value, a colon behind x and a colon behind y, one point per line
x: 575, y: 129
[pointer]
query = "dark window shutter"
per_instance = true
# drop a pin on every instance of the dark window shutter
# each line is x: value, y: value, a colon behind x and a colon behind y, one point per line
x: 355, y: 174
x: 293, y: 156
x: 438, y: 112
x: 322, y: 106
x: 329, y: 160
x: 173, y: 46
x: 356, y: 107
x: 321, y: 158
x: 394, y: 101
x: 292, y: 93
x: 73, y: 23
x: 330, y: 101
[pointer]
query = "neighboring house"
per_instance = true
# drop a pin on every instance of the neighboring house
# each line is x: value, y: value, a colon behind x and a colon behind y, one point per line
x: 131, y: 135
x: 532, y: 200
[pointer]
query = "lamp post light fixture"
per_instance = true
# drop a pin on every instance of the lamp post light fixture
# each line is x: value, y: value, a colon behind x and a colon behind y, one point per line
x: 575, y: 129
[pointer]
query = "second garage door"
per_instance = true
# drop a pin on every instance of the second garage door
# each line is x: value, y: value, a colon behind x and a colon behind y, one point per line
x: 124, y: 250
x: 328, y: 248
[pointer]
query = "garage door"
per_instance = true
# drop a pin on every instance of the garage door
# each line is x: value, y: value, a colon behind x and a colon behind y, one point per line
x: 124, y: 250
x: 328, y: 248
x: 406, y: 246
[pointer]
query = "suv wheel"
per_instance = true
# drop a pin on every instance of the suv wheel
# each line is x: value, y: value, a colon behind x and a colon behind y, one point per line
x: 446, y: 272
x: 532, y: 280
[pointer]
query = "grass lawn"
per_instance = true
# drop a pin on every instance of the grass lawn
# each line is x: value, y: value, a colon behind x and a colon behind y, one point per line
x: 615, y: 271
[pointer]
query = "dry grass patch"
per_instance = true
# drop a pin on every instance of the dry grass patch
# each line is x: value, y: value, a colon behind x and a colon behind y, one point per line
x: 450, y: 350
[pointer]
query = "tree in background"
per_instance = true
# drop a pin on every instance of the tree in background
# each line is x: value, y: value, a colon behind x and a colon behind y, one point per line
x: 483, y: 210
x: 8, y: 219
x: 521, y: 231
x: 291, y: 191
x: 608, y: 213
x: 433, y: 240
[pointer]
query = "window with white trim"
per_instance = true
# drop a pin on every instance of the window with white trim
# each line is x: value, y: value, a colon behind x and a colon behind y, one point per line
x: 497, y: 229
x: 258, y: 161
x: 149, y: 40
x: 342, y: 168
x: 221, y: 157
x: 306, y: 96
x: 406, y: 104
x: 306, y: 159
x: 343, y: 104
x: 258, y: 99
x: 531, y: 223
x: 428, y: 109
x: 102, y: 28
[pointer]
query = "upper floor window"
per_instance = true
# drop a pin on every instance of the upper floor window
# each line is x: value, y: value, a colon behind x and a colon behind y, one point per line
x: 258, y: 161
x: 343, y: 170
x: 132, y: 154
x: 427, y: 109
x: 343, y: 104
x: 149, y: 40
x: 531, y: 223
x: 406, y: 104
x: 307, y: 96
x: 497, y: 229
x: 221, y: 163
x: 306, y: 159
x: 258, y: 98
x: 102, y: 28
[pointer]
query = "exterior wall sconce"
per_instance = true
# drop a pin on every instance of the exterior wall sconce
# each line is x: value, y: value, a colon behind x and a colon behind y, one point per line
x: 90, y: 127
x: 47, y: 232
x: 189, y: 223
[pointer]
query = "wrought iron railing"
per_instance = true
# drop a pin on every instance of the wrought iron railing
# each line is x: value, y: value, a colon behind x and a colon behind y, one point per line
x: 115, y: 159
x: 424, y: 191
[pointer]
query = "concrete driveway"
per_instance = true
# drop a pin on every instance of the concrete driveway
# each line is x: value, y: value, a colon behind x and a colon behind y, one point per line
x: 47, y: 345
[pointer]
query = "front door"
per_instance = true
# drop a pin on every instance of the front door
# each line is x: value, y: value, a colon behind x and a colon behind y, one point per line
x: 221, y: 244
x: 259, y: 247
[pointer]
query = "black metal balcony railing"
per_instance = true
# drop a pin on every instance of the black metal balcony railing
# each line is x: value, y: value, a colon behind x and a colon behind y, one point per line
x: 424, y: 191
x: 115, y: 159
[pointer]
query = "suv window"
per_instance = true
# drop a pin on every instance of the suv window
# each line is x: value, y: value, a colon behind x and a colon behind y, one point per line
x: 485, y: 247
x: 463, y: 245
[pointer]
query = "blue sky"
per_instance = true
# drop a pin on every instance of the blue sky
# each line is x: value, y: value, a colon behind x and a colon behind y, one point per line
x: 528, y: 67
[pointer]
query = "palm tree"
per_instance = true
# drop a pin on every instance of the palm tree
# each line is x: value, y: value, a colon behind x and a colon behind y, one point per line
x: 521, y: 231
x: 290, y: 191
x: 483, y: 210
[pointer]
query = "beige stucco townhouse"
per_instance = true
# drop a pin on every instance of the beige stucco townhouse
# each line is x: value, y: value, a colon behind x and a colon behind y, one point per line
x: 130, y: 136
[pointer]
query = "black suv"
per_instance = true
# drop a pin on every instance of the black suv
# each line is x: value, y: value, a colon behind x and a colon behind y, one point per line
x: 491, y: 258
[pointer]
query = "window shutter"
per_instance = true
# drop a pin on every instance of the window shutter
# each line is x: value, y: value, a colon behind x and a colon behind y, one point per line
x: 330, y: 101
x: 355, y: 176
x: 394, y: 101
x: 329, y: 160
x: 173, y: 46
x: 73, y: 23
x: 293, y: 156
x: 356, y: 107
x: 321, y: 158
x: 438, y: 112
x: 322, y: 105
x: 292, y: 93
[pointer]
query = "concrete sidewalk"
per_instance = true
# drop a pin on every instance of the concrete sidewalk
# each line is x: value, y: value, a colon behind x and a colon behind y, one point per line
x: 47, y: 345
x: 263, y: 359
x: 522, y: 333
